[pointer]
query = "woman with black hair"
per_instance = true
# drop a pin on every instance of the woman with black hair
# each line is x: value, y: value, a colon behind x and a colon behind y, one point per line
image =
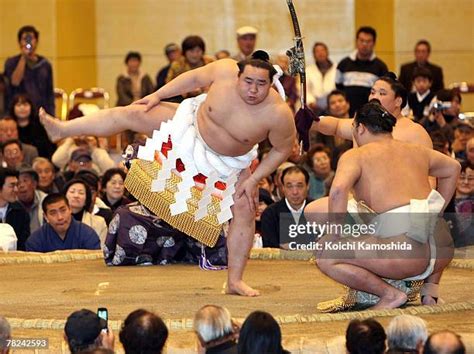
x: 30, y: 131
x: 79, y: 197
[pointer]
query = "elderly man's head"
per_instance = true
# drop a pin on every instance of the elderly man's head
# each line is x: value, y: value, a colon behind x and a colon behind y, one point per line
x: 8, y: 129
x: 213, y: 325
x: 27, y: 184
x: 407, y: 333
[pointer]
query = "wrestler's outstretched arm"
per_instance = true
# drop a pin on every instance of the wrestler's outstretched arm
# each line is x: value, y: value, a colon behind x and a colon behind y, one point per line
x: 335, y: 127
x: 447, y: 170
x: 189, y: 81
x: 282, y: 135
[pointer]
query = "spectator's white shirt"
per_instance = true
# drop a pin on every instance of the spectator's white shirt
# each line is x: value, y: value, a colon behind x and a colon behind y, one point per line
x: 320, y: 86
x: 8, y: 239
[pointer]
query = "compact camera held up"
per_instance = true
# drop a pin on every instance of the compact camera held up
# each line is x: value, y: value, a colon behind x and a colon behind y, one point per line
x: 439, y: 106
x: 29, y: 43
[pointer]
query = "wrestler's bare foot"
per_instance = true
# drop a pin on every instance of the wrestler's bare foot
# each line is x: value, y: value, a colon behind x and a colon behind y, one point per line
x: 53, y: 126
x: 240, y: 288
x: 393, y: 299
x: 428, y: 300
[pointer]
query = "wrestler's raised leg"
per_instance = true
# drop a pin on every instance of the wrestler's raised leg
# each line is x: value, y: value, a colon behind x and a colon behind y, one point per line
x: 239, y: 243
x: 111, y: 121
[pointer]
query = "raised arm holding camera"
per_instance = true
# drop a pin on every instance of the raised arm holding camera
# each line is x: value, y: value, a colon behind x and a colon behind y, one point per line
x: 30, y: 73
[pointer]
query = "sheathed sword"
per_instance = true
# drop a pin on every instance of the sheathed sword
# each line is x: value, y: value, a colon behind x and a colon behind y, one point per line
x: 305, y: 116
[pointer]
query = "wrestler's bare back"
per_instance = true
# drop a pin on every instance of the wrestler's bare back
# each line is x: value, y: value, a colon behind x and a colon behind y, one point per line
x: 390, y: 182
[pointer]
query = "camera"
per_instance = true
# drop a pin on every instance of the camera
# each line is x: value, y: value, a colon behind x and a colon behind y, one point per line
x: 29, y: 42
x: 440, y: 106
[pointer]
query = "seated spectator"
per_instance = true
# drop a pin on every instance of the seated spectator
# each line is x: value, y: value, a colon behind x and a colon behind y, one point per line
x: 98, y: 206
x: 278, y: 193
x: 30, y: 130
x: 143, y: 332
x: 84, y: 330
x: 138, y: 237
x: 318, y: 160
x: 113, y: 188
x: 3, y: 94
x: 260, y: 333
x: 13, y: 156
x: 30, y: 197
x: 133, y: 84
x: 49, y: 180
x: 419, y: 101
x: 406, y: 334
x: 279, y: 218
x: 193, y: 49
x: 82, y: 153
x: 11, y: 211
x: 9, y: 131
x: 8, y: 240
x: 266, y: 183
x: 365, y: 337
x: 79, y: 197
x: 462, y: 134
x: 444, y: 342
x: 5, y: 334
x: 215, y: 330
x: 61, y: 232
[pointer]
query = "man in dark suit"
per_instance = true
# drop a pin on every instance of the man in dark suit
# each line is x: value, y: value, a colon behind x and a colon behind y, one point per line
x: 281, y: 219
x: 422, y: 53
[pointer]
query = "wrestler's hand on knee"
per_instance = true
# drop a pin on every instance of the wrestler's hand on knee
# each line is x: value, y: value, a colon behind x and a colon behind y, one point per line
x: 249, y: 189
x: 150, y: 101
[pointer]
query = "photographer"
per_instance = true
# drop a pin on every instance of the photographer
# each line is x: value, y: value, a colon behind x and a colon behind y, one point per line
x: 443, y: 116
x: 30, y: 73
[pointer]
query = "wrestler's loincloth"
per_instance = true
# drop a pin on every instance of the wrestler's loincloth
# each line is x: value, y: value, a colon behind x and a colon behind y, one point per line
x: 416, y: 220
x: 188, y: 175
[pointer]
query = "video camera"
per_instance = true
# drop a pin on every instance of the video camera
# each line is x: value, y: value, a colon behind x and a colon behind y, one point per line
x: 440, y: 106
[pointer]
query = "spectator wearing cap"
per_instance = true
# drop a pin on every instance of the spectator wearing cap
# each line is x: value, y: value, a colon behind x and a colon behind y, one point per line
x: 143, y: 332
x: 246, y: 40
x: 193, y: 48
x: 11, y: 211
x: 172, y: 52
x: 63, y: 157
x: 61, y: 232
x: 84, y: 330
x: 30, y: 197
x: 133, y: 83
